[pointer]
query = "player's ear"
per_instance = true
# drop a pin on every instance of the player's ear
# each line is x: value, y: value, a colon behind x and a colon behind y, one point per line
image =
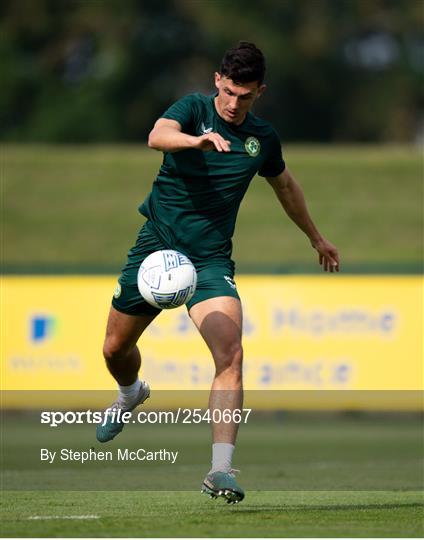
x: 261, y: 90
x: 217, y: 79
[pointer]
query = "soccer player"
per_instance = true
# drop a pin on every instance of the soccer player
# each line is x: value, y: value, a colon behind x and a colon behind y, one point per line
x: 213, y: 147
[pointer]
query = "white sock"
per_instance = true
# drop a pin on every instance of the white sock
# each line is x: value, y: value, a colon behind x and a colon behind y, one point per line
x: 127, y: 394
x: 222, y: 455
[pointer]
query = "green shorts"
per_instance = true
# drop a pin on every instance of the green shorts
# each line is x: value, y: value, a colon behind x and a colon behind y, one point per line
x: 215, y: 277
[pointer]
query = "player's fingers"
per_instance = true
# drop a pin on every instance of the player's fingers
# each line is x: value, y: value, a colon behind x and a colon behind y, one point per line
x: 335, y: 261
x: 227, y: 145
x: 326, y: 265
x: 219, y: 143
x: 333, y: 264
x: 224, y: 143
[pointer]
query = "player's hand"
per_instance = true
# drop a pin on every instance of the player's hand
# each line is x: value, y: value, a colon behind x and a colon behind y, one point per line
x: 212, y: 141
x: 328, y: 255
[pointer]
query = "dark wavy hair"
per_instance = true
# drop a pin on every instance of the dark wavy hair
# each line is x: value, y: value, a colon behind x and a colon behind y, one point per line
x: 244, y: 63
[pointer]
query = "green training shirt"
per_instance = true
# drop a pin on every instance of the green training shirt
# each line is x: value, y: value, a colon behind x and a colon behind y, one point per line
x: 195, y: 198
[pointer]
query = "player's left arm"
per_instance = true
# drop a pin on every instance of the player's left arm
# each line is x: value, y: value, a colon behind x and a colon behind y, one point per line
x: 291, y: 197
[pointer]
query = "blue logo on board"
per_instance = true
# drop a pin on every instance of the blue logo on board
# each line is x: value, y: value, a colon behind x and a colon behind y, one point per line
x: 42, y: 327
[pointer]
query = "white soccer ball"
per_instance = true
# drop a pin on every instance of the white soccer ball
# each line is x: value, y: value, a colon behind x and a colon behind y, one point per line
x: 167, y: 279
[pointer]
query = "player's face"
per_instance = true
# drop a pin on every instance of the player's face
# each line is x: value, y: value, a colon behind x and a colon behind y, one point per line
x: 235, y: 100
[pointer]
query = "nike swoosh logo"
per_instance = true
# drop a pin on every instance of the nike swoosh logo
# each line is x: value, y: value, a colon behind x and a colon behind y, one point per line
x: 205, y: 130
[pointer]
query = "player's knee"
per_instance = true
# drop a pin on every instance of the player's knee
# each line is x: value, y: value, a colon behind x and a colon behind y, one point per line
x: 114, y: 349
x: 230, y: 359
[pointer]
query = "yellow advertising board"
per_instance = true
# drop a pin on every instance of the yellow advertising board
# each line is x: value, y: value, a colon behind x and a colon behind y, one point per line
x: 329, y: 332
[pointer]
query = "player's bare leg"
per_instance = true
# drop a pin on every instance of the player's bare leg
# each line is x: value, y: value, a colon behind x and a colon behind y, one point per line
x: 123, y: 361
x: 219, y: 321
x: 120, y: 347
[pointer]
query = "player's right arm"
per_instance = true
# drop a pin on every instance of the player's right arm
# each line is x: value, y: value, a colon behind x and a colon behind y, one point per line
x: 167, y: 136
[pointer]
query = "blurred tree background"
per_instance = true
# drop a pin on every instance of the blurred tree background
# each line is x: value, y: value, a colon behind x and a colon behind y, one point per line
x: 104, y: 70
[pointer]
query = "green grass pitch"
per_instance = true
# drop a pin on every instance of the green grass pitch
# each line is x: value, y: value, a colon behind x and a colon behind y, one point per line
x: 175, y: 514
x: 334, y: 475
